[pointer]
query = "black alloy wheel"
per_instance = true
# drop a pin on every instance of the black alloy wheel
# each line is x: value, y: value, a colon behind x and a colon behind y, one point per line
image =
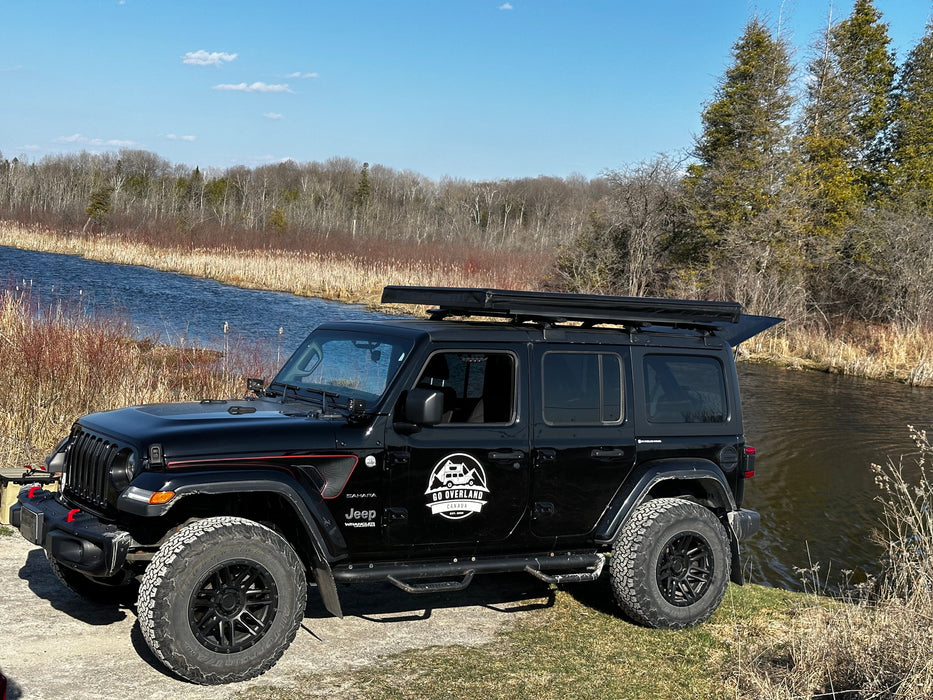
x: 685, y: 569
x: 233, y: 607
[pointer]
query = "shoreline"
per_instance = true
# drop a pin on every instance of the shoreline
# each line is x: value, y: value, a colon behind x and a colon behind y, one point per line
x: 874, y: 352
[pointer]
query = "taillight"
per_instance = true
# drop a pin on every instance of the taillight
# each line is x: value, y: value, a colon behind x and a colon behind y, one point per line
x: 749, y: 461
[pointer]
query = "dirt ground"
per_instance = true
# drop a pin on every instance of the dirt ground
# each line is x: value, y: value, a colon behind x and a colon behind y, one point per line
x: 55, y: 645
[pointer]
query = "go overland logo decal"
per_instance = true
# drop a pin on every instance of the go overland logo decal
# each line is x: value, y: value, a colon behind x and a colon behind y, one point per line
x: 457, y: 487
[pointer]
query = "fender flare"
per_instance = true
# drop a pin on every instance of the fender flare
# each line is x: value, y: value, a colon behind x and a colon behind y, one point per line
x: 638, y: 487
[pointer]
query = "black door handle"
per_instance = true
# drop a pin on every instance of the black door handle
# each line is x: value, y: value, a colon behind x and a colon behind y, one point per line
x: 496, y: 456
x: 607, y: 454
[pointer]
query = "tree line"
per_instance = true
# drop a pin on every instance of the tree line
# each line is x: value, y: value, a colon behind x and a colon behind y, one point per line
x: 291, y: 202
x: 810, y: 198
x: 807, y: 193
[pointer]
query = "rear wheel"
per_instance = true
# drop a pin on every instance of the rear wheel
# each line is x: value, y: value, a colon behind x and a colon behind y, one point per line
x: 670, y: 565
x: 221, y: 600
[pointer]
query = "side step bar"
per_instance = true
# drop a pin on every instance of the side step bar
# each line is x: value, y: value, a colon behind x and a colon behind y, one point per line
x: 570, y: 567
x: 575, y: 577
x: 433, y: 587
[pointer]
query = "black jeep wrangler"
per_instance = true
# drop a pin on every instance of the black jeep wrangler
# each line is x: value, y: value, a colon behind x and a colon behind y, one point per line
x: 556, y: 434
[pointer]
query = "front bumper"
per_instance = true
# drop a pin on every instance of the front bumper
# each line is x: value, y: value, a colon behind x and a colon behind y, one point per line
x: 71, y: 536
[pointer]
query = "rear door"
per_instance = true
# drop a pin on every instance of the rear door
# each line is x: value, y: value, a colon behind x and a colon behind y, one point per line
x: 583, y: 440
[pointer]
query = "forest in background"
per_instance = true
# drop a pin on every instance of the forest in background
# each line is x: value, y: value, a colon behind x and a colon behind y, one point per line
x: 807, y: 195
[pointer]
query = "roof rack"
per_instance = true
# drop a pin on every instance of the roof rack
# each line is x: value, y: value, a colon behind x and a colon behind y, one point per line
x: 553, y: 307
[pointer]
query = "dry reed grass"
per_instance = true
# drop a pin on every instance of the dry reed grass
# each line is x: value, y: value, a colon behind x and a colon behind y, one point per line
x: 871, y: 351
x: 342, y: 274
x: 878, y: 641
x: 56, y: 366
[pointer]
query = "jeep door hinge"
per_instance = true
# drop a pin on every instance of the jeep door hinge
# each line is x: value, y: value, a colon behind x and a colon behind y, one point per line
x: 395, y: 458
x: 393, y: 515
x: 544, y: 456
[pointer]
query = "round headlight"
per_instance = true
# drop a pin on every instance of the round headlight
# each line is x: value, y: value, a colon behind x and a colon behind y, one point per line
x: 123, y: 469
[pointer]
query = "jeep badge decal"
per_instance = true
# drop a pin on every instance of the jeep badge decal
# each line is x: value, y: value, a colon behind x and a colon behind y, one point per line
x: 457, y: 487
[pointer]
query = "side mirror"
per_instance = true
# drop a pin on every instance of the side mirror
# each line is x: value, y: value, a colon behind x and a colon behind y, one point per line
x: 257, y: 386
x: 424, y: 406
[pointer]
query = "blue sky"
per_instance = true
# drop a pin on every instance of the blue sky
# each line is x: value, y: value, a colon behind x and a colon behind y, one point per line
x: 476, y: 89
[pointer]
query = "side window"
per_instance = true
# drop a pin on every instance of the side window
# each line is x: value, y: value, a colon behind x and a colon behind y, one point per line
x: 685, y: 389
x: 582, y: 388
x: 478, y: 387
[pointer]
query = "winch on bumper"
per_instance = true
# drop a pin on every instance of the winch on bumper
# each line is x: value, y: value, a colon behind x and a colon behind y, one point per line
x: 71, y: 536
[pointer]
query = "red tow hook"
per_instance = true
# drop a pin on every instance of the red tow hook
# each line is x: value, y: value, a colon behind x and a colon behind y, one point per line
x: 71, y: 515
x: 31, y: 493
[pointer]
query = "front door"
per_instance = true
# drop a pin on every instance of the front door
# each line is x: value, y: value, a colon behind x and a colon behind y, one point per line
x: 583, y: 438
x: 466, y: 479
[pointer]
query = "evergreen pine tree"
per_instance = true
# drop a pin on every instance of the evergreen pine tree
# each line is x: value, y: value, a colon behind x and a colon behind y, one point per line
x: 861, y: 46
x: 741, y: 154
x: 363, y: 189
x: 845, y: 127
x: 912, y: 133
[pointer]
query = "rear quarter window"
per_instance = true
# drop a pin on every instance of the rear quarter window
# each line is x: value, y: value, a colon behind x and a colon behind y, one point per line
x: 685, y: 389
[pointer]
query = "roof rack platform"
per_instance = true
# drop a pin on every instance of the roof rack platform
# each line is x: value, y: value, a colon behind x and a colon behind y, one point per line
x: 589, y: 309
x: 462, y: 301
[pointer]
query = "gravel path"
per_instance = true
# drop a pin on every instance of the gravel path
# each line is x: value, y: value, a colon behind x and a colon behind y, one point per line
x: 55, y: 645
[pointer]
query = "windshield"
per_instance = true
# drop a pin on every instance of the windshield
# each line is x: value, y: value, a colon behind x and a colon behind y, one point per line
x: 348, y: 364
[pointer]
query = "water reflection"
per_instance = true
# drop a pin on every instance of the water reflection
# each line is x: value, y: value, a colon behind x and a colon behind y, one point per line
x: 173, y: 308
x: 817, y: 435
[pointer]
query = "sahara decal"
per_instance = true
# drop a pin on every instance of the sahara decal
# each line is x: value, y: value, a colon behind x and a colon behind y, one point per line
x: 457, y: 487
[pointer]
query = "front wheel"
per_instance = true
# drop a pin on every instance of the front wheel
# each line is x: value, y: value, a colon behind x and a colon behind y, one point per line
x: 670, y: 564
x: 221, y: 600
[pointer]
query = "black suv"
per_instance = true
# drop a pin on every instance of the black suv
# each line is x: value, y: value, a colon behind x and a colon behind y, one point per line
x: 556, y: 434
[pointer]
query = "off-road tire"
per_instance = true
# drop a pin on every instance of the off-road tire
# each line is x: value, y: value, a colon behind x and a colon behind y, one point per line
x: 221, y: 600
x: 116, y: 590
x: 670, y: 564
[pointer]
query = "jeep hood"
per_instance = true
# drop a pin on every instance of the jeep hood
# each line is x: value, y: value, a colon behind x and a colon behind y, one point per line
x: 216, y: 428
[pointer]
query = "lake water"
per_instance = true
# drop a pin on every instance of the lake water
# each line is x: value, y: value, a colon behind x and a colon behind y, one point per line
x: 816, y: 434
x: 169, y: 307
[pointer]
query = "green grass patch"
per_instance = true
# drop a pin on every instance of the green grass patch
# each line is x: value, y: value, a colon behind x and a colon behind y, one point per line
x: 578, y: 648
x: 6, y: 531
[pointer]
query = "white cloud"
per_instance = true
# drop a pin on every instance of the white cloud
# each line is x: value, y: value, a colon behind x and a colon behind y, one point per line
x: 506, y: 6
x: 88, y: 141
x: 265, y: 160
x: 272, y: 115
x: 254, y: 87
x: 184, y: 137
x: 299, y: 74
x: 204, y: 58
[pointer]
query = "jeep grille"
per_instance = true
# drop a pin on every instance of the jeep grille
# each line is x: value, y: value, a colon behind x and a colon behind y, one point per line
x: 87, y: 468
